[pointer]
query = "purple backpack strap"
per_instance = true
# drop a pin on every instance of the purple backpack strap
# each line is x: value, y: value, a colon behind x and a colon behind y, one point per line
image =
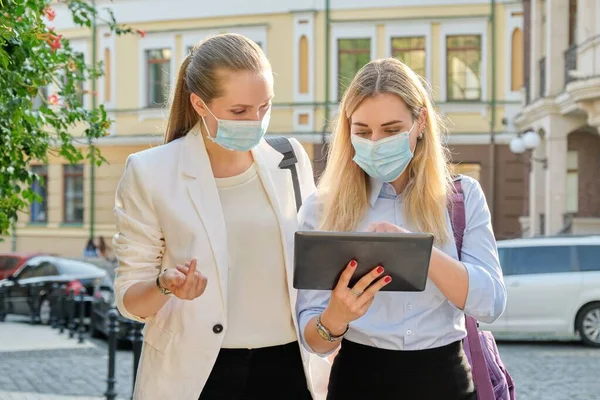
x: 485, y: 390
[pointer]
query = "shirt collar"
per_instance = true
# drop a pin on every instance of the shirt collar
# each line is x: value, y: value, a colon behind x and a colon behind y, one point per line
x: 384, y: 190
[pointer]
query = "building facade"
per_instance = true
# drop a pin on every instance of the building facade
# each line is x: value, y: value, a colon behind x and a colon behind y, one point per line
x: 470, y: 52
x: 562, y: 104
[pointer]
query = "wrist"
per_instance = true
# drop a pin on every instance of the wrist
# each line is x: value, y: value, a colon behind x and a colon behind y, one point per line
x: 335, y: 326
x: 159, y: 284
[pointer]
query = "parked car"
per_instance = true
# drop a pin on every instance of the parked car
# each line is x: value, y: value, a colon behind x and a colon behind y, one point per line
x: 11, y: 262
x: 104, y: 300
x: 553, y: 287
x: 37, y: 276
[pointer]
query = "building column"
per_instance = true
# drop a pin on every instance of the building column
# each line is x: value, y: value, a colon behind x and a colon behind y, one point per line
x: 534, y: 46
x: 557, y: 130
x: 537, y: 190
x: 557, y: 34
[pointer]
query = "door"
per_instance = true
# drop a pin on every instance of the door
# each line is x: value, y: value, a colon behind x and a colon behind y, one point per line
x: 18, y: 292
x: 542, y: 288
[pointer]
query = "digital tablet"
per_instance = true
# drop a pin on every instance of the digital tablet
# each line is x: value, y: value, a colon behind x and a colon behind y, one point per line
x: 320, y: 258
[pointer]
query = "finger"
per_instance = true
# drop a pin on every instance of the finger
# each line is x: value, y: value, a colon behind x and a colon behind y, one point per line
x: 173, y: 279
x: 372, y: 227
x: 366, y: 280
x: 369, y: 294
x: 344, y: 280
x: 200, y: 285
x: 190, y: 279
x: 183, y: 269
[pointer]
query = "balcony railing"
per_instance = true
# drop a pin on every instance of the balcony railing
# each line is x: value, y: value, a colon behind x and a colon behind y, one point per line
x: 542, y: 75
x: 570, y: 62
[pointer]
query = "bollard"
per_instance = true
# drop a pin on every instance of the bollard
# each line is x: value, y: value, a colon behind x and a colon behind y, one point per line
x: 136, y: 344
x: 82, y: 294
x: 113, y: 329
x: 54, y: 306
x: 2, y: 303
x: 62, y: 321
x: 72, y: 314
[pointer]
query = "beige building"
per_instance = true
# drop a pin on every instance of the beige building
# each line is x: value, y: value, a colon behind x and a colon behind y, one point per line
x: 562, y: 112
x: 470, y: 52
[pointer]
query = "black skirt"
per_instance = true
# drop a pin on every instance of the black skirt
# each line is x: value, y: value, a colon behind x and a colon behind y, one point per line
x: 267, y: 373
x: 365, y: 372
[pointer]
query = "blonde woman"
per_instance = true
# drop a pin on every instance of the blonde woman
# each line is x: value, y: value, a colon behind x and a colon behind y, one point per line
x: 388, y: 152
x: 204, y: 243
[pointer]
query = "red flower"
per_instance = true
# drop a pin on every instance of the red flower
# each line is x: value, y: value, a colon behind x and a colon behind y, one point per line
x: 53, y: 99
x: 49, y: 13
x: 53, y: 40
x: 141, y: 32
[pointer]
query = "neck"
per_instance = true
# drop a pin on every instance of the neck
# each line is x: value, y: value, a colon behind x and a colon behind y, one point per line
x: 400, y: 183
x: 226, y: 163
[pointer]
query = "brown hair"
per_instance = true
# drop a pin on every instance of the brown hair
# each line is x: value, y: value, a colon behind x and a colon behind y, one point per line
x: 199, y: 74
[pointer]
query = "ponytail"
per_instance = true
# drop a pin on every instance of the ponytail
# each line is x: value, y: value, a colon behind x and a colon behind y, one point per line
x: 182, y: 116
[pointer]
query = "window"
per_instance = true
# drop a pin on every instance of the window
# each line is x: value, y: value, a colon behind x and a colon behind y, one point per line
x: 353, y: 54
x: 46, y: 269
x: 158, y: 73
x: 411, y: 51
x: 73, y: 193
x: 27, y: 272
x: 303, y: 65
x: 79, y: 90
x: 463, y: 65
x: 469, y: 169
x: 39, y: 209
x: 572, y: 181
x: 572, y: 22
x: 516, y: 70
x: 589, y: 258
x: 536, y: 260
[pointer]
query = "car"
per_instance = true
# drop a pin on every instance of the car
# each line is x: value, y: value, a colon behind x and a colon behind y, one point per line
x: 11, y: 262
x: 553, y: 287
x: 104, y: 301
x: 36, y: 279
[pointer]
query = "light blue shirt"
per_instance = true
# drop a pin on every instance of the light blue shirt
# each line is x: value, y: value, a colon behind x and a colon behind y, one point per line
x: 419, y: 320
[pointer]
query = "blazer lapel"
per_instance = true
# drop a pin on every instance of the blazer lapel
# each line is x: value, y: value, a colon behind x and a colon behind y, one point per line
x: 202, y: 189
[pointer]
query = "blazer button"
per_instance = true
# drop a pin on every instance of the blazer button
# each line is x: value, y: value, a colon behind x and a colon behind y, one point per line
x: 218, y: 328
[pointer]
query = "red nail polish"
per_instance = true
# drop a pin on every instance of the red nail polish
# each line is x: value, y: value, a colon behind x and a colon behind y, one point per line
x: 388, y: 279
x: 379, y: 269
x: 353, y: 263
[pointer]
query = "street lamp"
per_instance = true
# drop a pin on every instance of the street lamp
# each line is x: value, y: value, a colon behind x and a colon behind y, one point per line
x: 527, y: 141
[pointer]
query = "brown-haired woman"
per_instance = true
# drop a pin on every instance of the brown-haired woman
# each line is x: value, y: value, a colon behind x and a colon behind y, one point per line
x: 205, y: 235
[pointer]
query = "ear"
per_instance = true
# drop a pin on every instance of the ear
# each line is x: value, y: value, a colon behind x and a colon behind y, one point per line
x: 198, y: 105
x: 422, y: 122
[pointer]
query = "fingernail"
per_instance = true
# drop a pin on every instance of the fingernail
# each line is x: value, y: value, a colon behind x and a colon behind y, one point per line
x: 379, y: 269
x: 353, y: 263
x: 388, y: 279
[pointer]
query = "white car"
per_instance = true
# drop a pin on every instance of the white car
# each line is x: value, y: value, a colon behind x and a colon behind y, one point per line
x: 553, y: 287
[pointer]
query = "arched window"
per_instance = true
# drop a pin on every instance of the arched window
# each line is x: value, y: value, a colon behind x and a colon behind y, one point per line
x: 303, y: 65
x: 516, y: 74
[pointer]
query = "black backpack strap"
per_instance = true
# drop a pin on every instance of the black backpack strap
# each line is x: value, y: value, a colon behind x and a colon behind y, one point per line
x: 289, y: 161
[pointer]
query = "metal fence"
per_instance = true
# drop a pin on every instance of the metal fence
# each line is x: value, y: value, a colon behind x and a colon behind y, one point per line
x: 68, y: 316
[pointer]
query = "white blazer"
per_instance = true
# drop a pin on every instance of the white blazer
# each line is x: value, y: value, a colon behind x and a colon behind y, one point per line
x: 168, y: 212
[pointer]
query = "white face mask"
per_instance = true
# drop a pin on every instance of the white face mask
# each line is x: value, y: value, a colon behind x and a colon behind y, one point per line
x: 239, y: 135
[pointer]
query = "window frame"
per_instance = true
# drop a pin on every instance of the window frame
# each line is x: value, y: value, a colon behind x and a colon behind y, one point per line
x: 406, y: 30
x: 44, y: 175
x: 148, y: 63
x: 154, y: 42
x: 72, y: 175
x: 464, y: 27
x: 347, y: 31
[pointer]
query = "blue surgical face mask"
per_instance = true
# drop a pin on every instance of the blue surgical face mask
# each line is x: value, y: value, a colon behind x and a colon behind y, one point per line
x: 237, y: 134
x: 385, y: 159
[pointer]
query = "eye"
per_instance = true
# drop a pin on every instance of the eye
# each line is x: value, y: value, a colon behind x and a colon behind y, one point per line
x: 264, y: 106
x: 238, y: 112
x: 362, y: 133
x: 392, y: 131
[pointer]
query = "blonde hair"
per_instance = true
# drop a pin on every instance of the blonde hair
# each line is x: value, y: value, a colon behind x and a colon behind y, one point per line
x: 344, y: 186
x: 199, y: 74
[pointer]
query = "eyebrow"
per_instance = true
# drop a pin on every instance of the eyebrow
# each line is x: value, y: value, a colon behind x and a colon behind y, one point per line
x: 396, y: 121
x: 247, y: 105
